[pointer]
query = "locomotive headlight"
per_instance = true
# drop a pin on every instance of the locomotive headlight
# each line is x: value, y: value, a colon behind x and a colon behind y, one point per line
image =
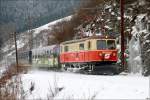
x: 100, y: 54
x: 114, y: 54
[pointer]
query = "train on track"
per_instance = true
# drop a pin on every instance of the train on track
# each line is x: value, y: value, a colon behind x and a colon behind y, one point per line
x: 91, y: 54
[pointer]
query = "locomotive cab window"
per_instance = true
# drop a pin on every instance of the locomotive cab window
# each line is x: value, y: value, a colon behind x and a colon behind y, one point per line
x: 111, y: 44
x: 66, y: 48
x: 81, y: 46
x: 89, y: 45
x: 101, y: 44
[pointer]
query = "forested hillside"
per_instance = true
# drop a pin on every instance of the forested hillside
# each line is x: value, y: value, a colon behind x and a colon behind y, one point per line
x: 19, y: 15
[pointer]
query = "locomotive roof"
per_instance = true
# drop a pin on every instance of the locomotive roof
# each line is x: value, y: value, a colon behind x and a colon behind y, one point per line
x: 87, y: 38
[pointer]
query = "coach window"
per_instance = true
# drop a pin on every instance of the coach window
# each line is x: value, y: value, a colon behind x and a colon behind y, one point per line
x: 81, y: 46
x: 33, y: 56
x: 89, y: 45
x: 47, y: 52
x: 66, y: 48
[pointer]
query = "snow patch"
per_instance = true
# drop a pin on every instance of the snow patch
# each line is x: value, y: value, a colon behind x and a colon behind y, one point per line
x: 47, y: 26
x: 135, y: 63
x: 107, y: 27
x: 119, y: 18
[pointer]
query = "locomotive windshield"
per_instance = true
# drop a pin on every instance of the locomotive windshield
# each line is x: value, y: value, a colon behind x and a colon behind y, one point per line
x: 105, y: 44
x: 111, y: 44
x: 101, y: 44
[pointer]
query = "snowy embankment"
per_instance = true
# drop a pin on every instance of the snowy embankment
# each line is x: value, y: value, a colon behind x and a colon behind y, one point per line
x: 80, y: 86
x: 3, y: 67
x: 2, y: 70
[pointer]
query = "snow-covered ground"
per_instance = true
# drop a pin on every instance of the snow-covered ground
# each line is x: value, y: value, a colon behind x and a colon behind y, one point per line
x: 81, y: 86
x: 2, y: 70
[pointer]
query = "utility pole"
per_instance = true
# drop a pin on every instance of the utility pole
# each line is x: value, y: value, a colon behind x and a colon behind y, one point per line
x: 30, y: 38
x: 30, y: 32
x: 16, y: 50
x: 122, y: 33
x: 29, y: 25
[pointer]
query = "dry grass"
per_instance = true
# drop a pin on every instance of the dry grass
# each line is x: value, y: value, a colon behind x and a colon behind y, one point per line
x: 11, y: 87
x: 54, y: 90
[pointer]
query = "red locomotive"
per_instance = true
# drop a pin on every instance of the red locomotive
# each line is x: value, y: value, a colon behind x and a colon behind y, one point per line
x: 96, y: 53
